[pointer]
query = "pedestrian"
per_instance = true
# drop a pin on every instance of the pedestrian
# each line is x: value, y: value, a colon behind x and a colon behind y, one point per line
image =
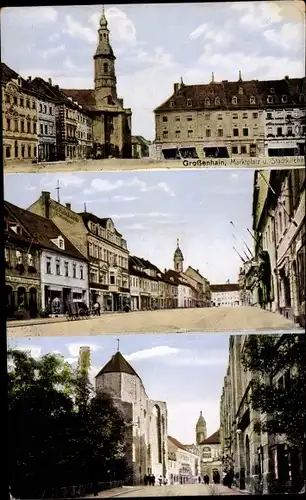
x: 95, y: 489
x: 217, y: 478
x: 199, y: 479
x: 206, y: 479
x: 153, y: 480
x: 146, y: 480
x: 230, y: 479
x: 96, y: 308
x: 160, y: 480
x: 150, y: 480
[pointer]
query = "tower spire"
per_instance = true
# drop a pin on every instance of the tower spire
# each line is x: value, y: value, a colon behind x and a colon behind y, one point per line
x: 177, y: 242
x: 103, y: 9
x: 58, y: 191
x: 118, y: 345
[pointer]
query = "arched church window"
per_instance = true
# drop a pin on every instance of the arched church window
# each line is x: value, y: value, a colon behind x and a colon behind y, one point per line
x: 156, y: 412
x: 105, y: 68
x: 206, y: 452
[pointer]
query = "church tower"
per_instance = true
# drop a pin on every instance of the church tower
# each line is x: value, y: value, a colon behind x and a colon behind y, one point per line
x: 201, y: 432
x: 178, y: 259
x: 105, y: 77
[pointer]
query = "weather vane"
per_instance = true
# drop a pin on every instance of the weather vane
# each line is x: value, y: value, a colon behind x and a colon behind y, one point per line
x: 118, y: 342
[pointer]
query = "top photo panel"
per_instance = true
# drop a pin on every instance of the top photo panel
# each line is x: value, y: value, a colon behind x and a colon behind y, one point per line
x: 137, y: 87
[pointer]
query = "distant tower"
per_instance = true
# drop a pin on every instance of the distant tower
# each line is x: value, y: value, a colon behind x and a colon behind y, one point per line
x: 105, y: 77
x: 84, y: 361
x: 178, y: 259
x: 201, y: 433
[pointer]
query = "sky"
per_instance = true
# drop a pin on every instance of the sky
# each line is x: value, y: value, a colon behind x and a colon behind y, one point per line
x: 185, y: 371
x: 156, y: 45
x: 153, y: 209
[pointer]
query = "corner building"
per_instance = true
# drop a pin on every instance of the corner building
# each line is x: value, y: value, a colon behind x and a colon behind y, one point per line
x: 111, y: 121
x: 146, y: 420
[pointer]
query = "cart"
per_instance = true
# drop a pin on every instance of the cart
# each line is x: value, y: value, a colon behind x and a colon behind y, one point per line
x: 77, y: 310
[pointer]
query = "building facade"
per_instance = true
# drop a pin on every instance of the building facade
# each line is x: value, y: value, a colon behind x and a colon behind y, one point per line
x: 19, y: 117
x: 140, y: 147
x: 262, y: 462
x: 111, y: 121
x: 209, y: 452
x: 201, y: 284
x: 279, y: 230
x: 146, y: 420
x: 46, y: 129
x: 225, y: 295
x: 228, y: 119
x: 183, y: 462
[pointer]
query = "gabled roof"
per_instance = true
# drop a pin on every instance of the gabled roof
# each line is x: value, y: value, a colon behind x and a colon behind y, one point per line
x: 143, y: 265
x: 89, y: 217
x: 8, y: 74
x: 225, y: 287
x: 43, y: 231
x: 177, y: 443
x: 117, y: 364
x: 177, y: 278
x: 213, y: 439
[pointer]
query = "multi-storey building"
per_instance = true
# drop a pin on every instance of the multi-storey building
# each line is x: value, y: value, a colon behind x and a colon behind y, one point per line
x: 46, y: 128
x: 186, y: 293
x: 99, y: 241
x: 262, y: 462
x: 146, y: 420
x: 225, y: 295
x: 183, y: 462
x: 111, y: 121
x: 61, y: 269
x: 201, y: 284
x: 19, y: 116
x: 285, y: 130
x: 279, y: 230
x: 140, y: 147
x: 225, y: 119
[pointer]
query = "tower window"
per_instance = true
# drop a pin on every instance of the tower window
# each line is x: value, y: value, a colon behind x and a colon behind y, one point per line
x: 109, y: 99
x: 105, y: 68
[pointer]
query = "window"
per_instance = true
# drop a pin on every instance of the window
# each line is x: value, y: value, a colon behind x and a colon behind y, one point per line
x: 50, y: 110
x: 220, y: 132
x: 66, y: 268
x: 23, y: 150
x: 45, y: 108
x: 46, y: 129
x: 48, y: 265
x: 29, y: 127
x: 21, y: 102
x: 112, y: 279
x: 189, y: 102
x: 34, y: 128
x: 8, y: 151
x: 33, y: 105
x: 40, y: 107
x: 35, y: 152
x: 81, y: 272
x: 177, y: 119
x: 252, y: 100
x: 165, y: 134
x: 172, y: 104
x: 105, y: 68
x: 8, y: 124
x: 41, y: 129
x: 58, y: 266
x: 289, y: 131
x: 279, y: 131
x: 165, y: 118
x: 177, y: 134
x: 208, y: 132
x: 29, y: 151
x: 189, y: 118
x: 255, y: 115
x: 234, y: 150
x: 190, y: 134
x: 15, y: 100
x: 244, y: 116
x: 234, y: 100
x: 235, y: 132
x: 220, y: 117
x: 217, y: 101
x: 284, y: 98
x: 245, y: 132
x: 270, y: 99
x: 243, y: 150
x: 235, y: 116
x: 74, y: 270
x: 28, y: 103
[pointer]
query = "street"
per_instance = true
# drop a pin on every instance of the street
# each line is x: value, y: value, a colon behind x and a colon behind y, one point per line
x: 177, y: 491
x: 215, y: 319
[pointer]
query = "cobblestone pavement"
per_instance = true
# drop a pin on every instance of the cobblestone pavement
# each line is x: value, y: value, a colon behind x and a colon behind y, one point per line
x: 215, y: 319
x: 180, y: 490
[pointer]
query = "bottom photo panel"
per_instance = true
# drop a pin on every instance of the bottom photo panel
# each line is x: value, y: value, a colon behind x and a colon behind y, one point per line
x: 156, y: 415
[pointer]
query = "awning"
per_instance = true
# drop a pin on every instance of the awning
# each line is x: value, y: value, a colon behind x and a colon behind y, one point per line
x: 282, y: 145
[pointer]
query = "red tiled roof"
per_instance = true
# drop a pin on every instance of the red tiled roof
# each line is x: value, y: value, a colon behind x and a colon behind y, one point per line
x: 85, y: 97
x: 213, y: 439
x: 226, y: 90
x: 177, y: 443
x: 226, y: 287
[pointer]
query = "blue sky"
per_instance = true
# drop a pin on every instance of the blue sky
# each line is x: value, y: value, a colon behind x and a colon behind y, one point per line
x: 155, y: 45
x: 186, y: 371
x: 153, y: 209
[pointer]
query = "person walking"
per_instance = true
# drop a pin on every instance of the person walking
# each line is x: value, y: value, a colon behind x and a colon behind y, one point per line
x: 146, y: 478
x: 97, y: 309
x: 160, y: 480
x: 153, y: 480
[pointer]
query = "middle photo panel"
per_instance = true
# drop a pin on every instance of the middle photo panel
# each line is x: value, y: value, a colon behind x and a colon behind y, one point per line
x: 180, y: 251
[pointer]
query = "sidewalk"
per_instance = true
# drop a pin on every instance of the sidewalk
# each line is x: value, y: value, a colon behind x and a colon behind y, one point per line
x: 114, y: 492
x: 52, y: 319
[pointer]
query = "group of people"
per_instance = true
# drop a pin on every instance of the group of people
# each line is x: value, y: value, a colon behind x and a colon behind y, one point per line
x: 216, y: 478
x: 228, y: 479
x: 149, y: 480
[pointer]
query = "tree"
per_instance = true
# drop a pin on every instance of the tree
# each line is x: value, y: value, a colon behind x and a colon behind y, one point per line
x: 284, y: 403
x: 60, y: 432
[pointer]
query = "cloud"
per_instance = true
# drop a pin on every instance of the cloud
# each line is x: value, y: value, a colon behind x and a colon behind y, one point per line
x: 289, y: 36
x: 77, y: 30
x: 74, y: 348
x: 104, y: 185
x: 209, y: 31
x: 34, y: 350
x: 54, y: 37
x: 152, y: 353
x: 131, y: 216
x: 136, y: 227
x: 53, y: 51
x: 258, y: 15
x: 65, y: 180
x: 71, y: 361
x: 36, y: 15
x: 123, y: 198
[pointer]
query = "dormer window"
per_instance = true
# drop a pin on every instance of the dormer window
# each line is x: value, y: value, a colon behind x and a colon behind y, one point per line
x: 207, y: 101
x: 284, y: 98
x: 189, y: 103
x: 234, y: 100
x: 272, y: 90
x: 269, y: 99
x: 61, y: 242
x: 18, y: 257
x: 240, y: 91
x: 172, y: 104
x: 217, y: 101
x: 252, y: 100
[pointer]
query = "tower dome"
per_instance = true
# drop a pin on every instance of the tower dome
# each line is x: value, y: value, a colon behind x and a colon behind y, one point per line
x: 178, y: 258
x: 200, y: 429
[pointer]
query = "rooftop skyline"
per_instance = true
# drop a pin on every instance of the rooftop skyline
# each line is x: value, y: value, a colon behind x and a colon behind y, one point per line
x: 156, y: 45
x: 154, y: 209
x: 173, y: 368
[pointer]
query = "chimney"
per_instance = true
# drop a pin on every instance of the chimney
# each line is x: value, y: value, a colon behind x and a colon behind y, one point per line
x: 68, y: 205
x: 50, y: 81
x: 240, y: 77
x: 197, y: 270
x: 212, y: 78
x: 176, y: 86
x: 286, y: 77
x: 56, y: 87
x: 45, y: 195
x: 29, y: 78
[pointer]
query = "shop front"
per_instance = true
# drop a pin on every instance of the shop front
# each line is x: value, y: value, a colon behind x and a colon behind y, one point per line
x: 56, y: 298
x: 22, y: 297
